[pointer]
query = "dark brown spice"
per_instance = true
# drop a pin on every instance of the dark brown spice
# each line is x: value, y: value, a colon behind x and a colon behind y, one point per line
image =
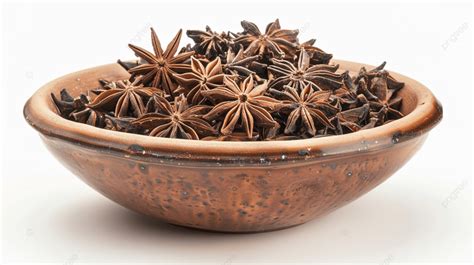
x: 209, y: 43
x: 201, y: 79
x: 177, y: 120
x: 124, y: 97
x: 248, y: 86
x: 244, y: 102
x: 159, y: 68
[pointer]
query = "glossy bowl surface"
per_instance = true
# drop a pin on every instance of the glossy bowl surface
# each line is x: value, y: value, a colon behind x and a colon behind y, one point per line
x: 230, y: 186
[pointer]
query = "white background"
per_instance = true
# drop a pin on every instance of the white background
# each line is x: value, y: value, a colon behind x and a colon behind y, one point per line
x: 421, y: 214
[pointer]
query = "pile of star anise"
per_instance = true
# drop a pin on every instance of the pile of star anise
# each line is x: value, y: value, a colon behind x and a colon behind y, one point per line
x: 246, y: 86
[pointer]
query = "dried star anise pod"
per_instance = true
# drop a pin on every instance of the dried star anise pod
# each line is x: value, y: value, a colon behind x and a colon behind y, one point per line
x: 238, y: 64
x: 127, y: 65
x: 66, y: 103
x: 371, y: 124
x: 346, y: 96
x: 176, y: 120
x: 87, y: 115
x: 379, y: 87
x: 124, y: 97
x: 77, y: 109
x: 306, y: 109
x: 385, y: 102
x: 154, y: 103
x: 275, y: 41
x: 320, y: 77
x: 242, y: 102
x: 121, y: 124
x: 317, y: 56
x: 235, y: 137
x: 201, y: 57
x: 209, y: 43
x: 276, y: 133
x: 392, y: 83
x: 341, y: 127
x: 351, y: 120
x: 201, y: 79
x: 159, y: 69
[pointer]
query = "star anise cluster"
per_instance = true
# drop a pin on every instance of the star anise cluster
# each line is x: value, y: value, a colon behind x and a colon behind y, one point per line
x: 246, y: 86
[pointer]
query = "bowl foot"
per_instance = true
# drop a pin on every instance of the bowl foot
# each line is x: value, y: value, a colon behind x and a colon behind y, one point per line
x: 233, y: 231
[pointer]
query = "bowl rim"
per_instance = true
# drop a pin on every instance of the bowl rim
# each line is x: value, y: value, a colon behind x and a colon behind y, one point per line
x: 40, y: 114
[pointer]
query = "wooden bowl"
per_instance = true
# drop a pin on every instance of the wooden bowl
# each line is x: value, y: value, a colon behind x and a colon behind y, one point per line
x: 230, y: 186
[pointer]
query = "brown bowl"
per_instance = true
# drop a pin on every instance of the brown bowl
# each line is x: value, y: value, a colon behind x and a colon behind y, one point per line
x: 230, y: 186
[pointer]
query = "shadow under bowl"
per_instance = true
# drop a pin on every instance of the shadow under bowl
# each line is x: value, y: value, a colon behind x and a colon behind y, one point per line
x: 230, y: 186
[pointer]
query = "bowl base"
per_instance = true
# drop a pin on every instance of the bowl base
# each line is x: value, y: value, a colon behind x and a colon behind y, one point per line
x: 234, y: 232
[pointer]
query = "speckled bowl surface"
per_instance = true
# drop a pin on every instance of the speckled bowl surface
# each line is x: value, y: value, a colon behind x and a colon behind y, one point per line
x: 230, y: 186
